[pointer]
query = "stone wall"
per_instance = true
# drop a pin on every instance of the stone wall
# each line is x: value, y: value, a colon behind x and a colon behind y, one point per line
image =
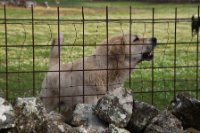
x: 116, y: 112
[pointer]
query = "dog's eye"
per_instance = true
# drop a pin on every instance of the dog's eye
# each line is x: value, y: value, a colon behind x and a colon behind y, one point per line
x: 136, y: 39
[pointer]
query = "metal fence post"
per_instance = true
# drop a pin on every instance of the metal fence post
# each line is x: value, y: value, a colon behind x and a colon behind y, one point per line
x: 83, y: 20
x: 33, y: 44
x: 152, y: 64
x: 175, y: 26
x: 6, y: 50
x: 58, y: 22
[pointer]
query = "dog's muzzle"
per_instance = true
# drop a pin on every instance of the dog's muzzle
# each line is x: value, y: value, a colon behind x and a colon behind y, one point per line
x: 149, y: 55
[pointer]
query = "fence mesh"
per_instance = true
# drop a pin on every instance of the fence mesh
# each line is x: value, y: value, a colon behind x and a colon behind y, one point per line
x: 26, y: 42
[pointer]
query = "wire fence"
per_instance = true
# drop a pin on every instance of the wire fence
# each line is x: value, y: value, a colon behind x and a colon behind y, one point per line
x: 25, y: 45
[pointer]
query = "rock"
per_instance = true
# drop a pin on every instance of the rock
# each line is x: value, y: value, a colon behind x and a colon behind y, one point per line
x: 7, y: 116
x: 32, y: 117
x: 113, y: 129
x: 141, y: 116
x: 187, y: 110
x: 57, y: 127
x: 29, y: 106
x: 29, y: 115
x: 164, y: 122
x: 55, y: 116
x: 55, y: 123
x: 115, y: 107
x: 83, y: 115
x: 83, y: 130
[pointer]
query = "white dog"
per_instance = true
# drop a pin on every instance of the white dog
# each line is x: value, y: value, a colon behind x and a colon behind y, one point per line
x: 120, y: 55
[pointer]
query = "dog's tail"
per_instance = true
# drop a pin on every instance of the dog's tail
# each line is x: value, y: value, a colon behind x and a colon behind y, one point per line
x: 55, y: 50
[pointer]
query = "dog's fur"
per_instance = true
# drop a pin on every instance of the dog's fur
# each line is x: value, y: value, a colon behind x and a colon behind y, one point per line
x: 120, y: 54
x: 195, y: 24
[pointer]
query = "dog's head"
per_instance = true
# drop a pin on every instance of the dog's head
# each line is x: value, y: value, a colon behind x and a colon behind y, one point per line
x: 141, y: 48
x: 195, y: 24
x: 195, y: 17
x: 126, y: 48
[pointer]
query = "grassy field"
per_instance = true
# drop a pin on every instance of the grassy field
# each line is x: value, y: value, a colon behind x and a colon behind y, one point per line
x: 20, y: 50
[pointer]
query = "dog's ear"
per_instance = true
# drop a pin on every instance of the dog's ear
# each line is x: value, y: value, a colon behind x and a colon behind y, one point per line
x: 116, y: 50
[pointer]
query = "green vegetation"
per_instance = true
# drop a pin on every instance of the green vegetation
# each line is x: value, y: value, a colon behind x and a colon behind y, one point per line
x: 20, y: 62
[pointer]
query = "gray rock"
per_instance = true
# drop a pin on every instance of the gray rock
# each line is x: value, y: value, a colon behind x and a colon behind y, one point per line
x: 141, y: 116
x: 187, y: 110
x: 164, y: 122
x: 83, y: 130
x: 83, y: 115
x: 115, y: 107
x: 113, y: 129
x: 30, y: 105
x: 7, y: 116
x: 31, y: 117
x: 54, y: 116
x: 55, y: 123
x: 57, y: 127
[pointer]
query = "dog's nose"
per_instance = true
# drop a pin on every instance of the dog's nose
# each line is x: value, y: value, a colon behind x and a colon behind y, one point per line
x: 154, y: 40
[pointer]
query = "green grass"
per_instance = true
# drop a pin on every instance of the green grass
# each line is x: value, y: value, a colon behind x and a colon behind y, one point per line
x: 20, y: 58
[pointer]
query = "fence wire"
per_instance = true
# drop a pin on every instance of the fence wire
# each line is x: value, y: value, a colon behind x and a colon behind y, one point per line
x: 24, y: 59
